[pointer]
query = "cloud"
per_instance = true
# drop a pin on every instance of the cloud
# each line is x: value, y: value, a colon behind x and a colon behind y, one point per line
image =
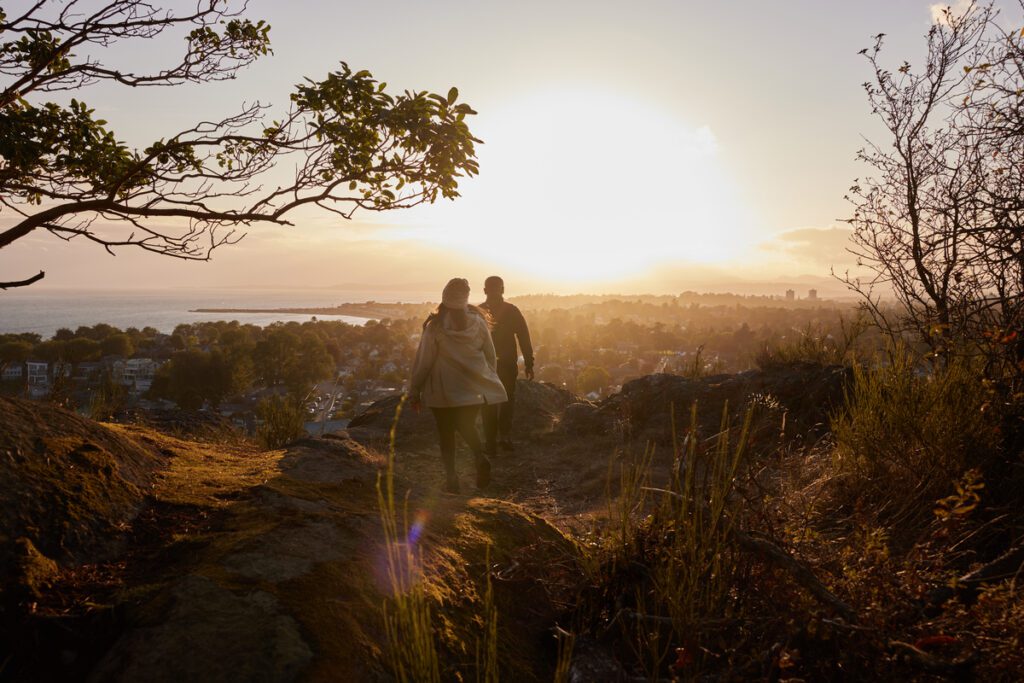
x: 817, y: 246
x: 938, y: 10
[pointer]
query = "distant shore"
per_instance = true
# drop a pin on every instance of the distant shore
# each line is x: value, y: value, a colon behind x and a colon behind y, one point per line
x: 370, y: 310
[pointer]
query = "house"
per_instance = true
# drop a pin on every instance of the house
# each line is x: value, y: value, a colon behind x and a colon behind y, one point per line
x: 13, y: 371
x: 37, y: 373
x: 136, y: 372
x: 88, y: 370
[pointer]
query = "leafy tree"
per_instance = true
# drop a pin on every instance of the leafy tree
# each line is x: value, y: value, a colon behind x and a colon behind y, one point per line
x: 194, y: 377
x: 308, y: 366
x: 551, y: 373
x: 99, y: 331
x: 295, y: 361
x: 117, y: 345
x: 354, y: 145
x: 49, y: 351
x: 592, y: 378
x: 273, y: 354
x: 14, y: 352
x: 81, y: 349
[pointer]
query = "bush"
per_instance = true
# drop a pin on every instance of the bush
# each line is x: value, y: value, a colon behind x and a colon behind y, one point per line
x: 108, y: 399
x: 668, y: 561
x: 816, y: 344
x: 909, y: 433
x: 282, y: 421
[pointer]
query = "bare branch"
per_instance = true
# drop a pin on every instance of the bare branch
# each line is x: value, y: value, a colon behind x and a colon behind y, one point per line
x: 23, y: 283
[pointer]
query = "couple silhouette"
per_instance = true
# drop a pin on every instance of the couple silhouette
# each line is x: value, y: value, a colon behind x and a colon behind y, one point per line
x: 468, y: 362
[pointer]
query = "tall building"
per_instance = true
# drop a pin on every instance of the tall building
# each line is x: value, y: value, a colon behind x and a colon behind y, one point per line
x: 812, y: 294
x: 790, y: 295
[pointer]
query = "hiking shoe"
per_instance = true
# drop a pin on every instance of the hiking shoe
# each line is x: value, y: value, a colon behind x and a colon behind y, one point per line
x: 506, y: 445
x: 483, y: 472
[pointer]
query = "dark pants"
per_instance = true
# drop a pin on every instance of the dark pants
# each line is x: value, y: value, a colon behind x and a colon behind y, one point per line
x: 451, y: 420
x: 498, y: 417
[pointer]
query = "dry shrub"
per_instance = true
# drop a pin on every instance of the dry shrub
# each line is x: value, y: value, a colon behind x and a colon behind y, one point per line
x: 817, y: 344
x: 997, y: 619
x: 908, y: 434
x: 283, y: 421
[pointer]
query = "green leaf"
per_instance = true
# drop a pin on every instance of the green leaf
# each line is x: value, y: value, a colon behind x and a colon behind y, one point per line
x: 453, y: 95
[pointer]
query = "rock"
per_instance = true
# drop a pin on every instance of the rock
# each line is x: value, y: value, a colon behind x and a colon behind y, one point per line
x: 805, y: 392
x: 211, y: 634
x: 34, y: 571
x: 68, y: 486
x: 539, y: 406
x: 580, y: 419
x: 199, y: 425
x: 373, y: 426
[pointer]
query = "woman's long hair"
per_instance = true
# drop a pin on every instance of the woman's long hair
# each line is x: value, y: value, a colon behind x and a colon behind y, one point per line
x: 458, y: 316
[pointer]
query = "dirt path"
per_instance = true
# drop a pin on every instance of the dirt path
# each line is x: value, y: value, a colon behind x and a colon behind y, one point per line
x: 564, y: 484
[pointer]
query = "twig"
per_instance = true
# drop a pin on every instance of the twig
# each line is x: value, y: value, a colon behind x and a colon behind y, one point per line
x: 799, y: 571
x: 977, y: 531
x: 842, y: 625
x: 932, y: 664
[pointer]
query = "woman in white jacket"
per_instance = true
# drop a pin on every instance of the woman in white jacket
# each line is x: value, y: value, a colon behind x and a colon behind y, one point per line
x: 454, y: 375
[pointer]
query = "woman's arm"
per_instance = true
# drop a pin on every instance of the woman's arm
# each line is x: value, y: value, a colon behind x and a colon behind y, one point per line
x: 426, y: 354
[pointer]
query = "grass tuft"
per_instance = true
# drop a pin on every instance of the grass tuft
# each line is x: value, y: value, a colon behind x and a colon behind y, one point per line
x: 408, y: 617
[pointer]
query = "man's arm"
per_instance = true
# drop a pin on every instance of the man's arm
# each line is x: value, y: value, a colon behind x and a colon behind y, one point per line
x: 523, y: 333
x: 489, y: 354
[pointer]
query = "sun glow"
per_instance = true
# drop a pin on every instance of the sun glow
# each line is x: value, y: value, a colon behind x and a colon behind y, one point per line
x: 584, y: 185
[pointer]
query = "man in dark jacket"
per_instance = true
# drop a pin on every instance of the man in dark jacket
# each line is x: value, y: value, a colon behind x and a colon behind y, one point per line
x: 507, y: 325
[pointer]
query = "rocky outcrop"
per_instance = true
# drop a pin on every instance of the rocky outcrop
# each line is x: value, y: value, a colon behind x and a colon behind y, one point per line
x: 69, y: 487
x: 805, y: 393
x: 292, y: 583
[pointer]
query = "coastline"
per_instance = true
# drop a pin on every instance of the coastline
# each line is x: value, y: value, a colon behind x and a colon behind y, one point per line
x: 369, y: 310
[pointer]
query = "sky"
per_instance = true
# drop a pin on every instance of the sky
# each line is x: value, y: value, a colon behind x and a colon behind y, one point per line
x: 648, y: 146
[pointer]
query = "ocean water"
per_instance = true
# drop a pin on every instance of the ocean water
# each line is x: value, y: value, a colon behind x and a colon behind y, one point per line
x: 44, y: 311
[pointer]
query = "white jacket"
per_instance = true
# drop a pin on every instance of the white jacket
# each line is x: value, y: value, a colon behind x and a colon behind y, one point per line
x: 456, y: 367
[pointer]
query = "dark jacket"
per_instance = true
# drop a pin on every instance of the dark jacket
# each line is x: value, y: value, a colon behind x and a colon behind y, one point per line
x: 508, y: 323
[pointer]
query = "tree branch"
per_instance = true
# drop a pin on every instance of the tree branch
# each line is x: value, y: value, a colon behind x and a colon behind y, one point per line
x: 23, y: 283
